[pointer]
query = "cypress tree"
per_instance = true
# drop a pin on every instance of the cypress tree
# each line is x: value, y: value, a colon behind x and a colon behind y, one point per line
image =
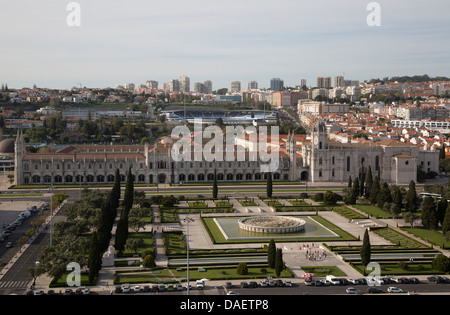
x: 384, y: 195
x: 365, y: 249
x: 279, y: 264
x: 411, y: 198
x: 121, y: 234
x: 446, y: 223
x: 429, y: 216
x: 375, y: 191
x: 95, y: 258
x: 362, y: 183
x: 441, y: 209
x: 369, y: 182
x: 271, y: 254
x: 269, y: 185
x: 349, y: 185
x: 215, y: 188
x: 129, y: 193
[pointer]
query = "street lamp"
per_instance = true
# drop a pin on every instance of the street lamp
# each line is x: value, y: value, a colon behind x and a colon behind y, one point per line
x: 187, y: 220
x: 51, y: 214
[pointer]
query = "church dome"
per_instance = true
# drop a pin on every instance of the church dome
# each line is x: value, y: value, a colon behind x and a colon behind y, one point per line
x: 7, y: 146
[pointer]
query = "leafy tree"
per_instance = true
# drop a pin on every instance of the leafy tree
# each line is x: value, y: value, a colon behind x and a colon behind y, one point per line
x: 149, y: 261
x: 242, y: 268
x: 330, y: 198
x: 409, y: 217
x: 441, y: 263
x: 365, y: 249
x: 134, y: 244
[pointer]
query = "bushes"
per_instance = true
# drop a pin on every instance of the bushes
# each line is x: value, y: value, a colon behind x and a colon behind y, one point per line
x: 441, y: 263
x: 242, y: 269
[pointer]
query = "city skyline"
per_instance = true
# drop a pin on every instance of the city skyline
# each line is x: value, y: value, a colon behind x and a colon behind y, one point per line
x: 222, y: 42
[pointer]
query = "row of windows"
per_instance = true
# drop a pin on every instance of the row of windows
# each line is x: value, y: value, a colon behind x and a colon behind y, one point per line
x: 159, y: 165
x: 36, y: 179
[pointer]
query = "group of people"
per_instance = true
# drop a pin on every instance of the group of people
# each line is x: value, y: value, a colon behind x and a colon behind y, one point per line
x: 312, y: 254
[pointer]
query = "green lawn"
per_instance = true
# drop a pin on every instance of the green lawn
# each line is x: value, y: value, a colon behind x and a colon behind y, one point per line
x: 373, y: 210
x: 398, y: 238
x: 432, y: 236
x: 349, y: 213
x: 148, y: 240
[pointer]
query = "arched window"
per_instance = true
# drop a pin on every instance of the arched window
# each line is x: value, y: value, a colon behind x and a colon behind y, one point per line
x: 182, y: 178
x: 348, y: 164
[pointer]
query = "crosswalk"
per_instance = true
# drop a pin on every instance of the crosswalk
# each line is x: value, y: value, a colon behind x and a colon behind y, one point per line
x: 14, y: 284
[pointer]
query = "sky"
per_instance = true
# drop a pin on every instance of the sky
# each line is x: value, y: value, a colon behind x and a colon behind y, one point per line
x: 134, y: 41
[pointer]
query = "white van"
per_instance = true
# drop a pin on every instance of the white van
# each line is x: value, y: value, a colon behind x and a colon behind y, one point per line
x: 200, y: 285
x: 333, y: 280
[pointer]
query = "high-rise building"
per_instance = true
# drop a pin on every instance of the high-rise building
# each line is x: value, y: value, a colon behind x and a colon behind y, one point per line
x: 303, y: 82
x: 150, y: 84
x: 199, y: 87
x: 339, y: 82
x: 173, y: 85
x: 207, y: 86
x: 324, y: 82
x: 252, y: 85
x: 235, y: 86
x: 185, y: 84
x: 277, y: 85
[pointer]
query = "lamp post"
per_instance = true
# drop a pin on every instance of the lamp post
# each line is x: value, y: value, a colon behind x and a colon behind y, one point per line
x: 187, y: 220
x: 51, y: 214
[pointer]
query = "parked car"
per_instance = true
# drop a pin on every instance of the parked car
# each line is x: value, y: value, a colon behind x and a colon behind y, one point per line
x: 309, y: 282
x: 86, y: 291
x: 162, y: 288
x: 343, y: 281
x: 325, y: 282
x: 68, y: 292
x: 374, y: 290
x: 137, y: 288
x: 244, y: 284
x: 179, y: 287
x: 126, y: 289
x: 279, y: 283
x: 288, y: 283
x: 155, y: 288
x: 253, y: 284
x: 394, y: 290
x: 264, y: 283
x: 118, y: 289
x: 414, y: 280
x: 8, y: 245
x: 435, y: 279
x: 352, y: 290
x: 228, y: 285
x: 39, y: 292
x: 232, y: 293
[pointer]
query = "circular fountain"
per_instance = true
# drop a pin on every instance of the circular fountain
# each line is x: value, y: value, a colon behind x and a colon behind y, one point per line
x: 272, y: 224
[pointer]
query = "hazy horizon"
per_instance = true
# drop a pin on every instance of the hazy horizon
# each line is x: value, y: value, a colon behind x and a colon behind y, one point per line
x: 139, y: 40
